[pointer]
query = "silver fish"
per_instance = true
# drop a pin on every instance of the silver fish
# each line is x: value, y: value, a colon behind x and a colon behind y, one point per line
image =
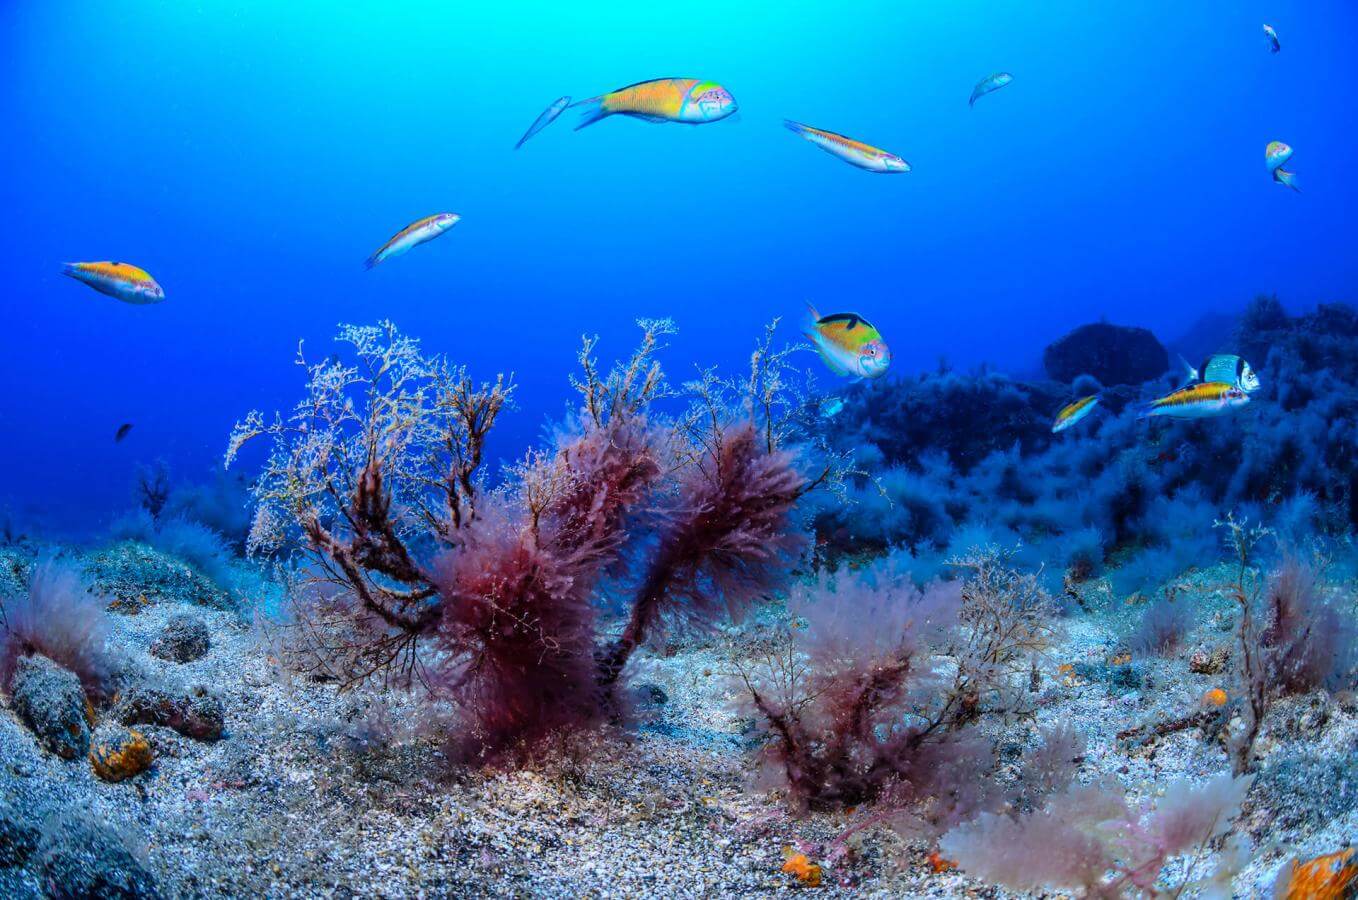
x: 1272, y: 36
x: 989, y: 84
x: 1224, y: 367
x: 548, y: 117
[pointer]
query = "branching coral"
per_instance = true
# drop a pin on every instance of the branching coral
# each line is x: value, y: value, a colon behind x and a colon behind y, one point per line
x: 377, y: 475
x: 1090, y: 839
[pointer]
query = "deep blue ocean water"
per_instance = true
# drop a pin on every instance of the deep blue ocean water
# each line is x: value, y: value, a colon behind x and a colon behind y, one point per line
x: 252, y: 155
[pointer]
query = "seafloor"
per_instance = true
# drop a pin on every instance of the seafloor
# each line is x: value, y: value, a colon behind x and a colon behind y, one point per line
x: 286, y: 804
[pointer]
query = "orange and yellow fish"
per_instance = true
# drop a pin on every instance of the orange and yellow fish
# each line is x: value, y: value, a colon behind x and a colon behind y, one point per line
x: 125, y: 282
x: 688, y: 100
x: 1073, y: 413
x: 412, y: 236
x: 849, y: 345
x: 1197, y: 401
x: 855, y: 153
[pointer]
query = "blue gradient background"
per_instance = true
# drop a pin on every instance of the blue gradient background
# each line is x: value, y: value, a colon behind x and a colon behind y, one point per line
x: 251, y: 156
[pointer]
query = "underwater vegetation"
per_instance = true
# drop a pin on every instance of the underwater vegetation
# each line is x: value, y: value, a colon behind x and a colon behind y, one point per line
x: 420, y: 570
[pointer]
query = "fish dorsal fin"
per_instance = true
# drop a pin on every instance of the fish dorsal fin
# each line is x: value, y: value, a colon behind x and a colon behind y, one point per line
x: 851, y: 320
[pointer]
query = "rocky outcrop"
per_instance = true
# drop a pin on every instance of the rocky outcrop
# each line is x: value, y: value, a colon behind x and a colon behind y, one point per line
x: 81, y: 856
x: 1114, y: 354
x: 50, y: 702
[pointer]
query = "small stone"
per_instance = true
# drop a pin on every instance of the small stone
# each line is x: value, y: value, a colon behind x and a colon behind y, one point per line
x: 118, y: 752
x: 194, y: 713
x: 1209, y: 661
x: 50, y: 701
x: 184, y: 639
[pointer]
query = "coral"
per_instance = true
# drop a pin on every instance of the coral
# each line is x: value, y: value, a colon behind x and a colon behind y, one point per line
x: 1091, y: 839
x: 860, y: 709
x: 1113, y: 354
x: 58, y: 619
x: 1331, y: 876
x: 1214, y: 698
x: 1162, y: 626
x: 1311, y: 643
x: 118, y: 753
x: 375, y: 479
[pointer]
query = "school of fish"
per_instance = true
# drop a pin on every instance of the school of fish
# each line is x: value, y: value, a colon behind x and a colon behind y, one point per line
x: 847, y: 343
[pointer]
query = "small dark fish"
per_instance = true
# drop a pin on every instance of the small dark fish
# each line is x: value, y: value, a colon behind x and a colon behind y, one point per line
x: 122, y: 431
x: 548, y: 117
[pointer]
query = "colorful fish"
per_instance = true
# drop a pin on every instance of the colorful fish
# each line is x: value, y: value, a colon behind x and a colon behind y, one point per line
x: 412, y: 236
x: 548, y: 117
x: 1224, y: 367
x: 849, y: 345
x: 855, y: 153
x: 1273, y: 44
x: 1275, y: 154
x: 1074, y: 412
x: 988, y: 85
x: 688, y: 100
x: 1197, y: 401
x: 1286, y: 178
x: 120, y: 280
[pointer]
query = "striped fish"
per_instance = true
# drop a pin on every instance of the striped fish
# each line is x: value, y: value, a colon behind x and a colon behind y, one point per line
x: 120, y: 280
x: 989, y: 85
x: 1224, y: 367
x: 1197, y: 401
x: 412, y: 236
x: 688, y: 100
x: 1074, y: 412
x: 855, y: 153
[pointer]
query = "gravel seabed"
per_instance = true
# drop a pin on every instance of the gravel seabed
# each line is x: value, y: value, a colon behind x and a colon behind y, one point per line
x: 286, y: 806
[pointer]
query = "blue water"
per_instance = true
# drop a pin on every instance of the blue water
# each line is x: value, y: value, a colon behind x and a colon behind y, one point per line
x: 250, y: 156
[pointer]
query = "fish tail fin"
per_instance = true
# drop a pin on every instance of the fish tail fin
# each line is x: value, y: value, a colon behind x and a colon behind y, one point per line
x: 591, y: 111
x: 809, y: 324
x: 71, y: 269
x: 1189, y: 372
x: 370, y: 262
x: 794, y: 127
x: 1145, y: 411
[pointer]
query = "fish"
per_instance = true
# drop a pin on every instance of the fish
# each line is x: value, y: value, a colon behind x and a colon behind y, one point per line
x: 547, y: 117
x: 1197, y: 401
x: 989, y: 84
x: 1275, y: 154
x: 413, y: 235
x: 691, y: 101
x: 831, y: 407
x: 1286, y: 178
x: 855, y: 153
x: 122, y: 281
x: 1224, y: 367
x: 849, y: 346
x: 122, y: 431
x: 1074, y: 412
x: 1273, y: 45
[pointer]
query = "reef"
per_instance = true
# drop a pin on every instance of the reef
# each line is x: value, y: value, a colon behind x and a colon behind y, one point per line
x: 709, y: 639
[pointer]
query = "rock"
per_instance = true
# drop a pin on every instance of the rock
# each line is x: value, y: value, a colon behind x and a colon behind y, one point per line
x: 17, y: 884
x: 194, y: 712
x: 19, y: 835
x: 184, y: 639
x: 1114, y: 354
x: 649, y: 694
x: 1209, y: 661
x: 50, y: 702
x: 136, y: 575
x: 81, y: 856
x: 118, y: 752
